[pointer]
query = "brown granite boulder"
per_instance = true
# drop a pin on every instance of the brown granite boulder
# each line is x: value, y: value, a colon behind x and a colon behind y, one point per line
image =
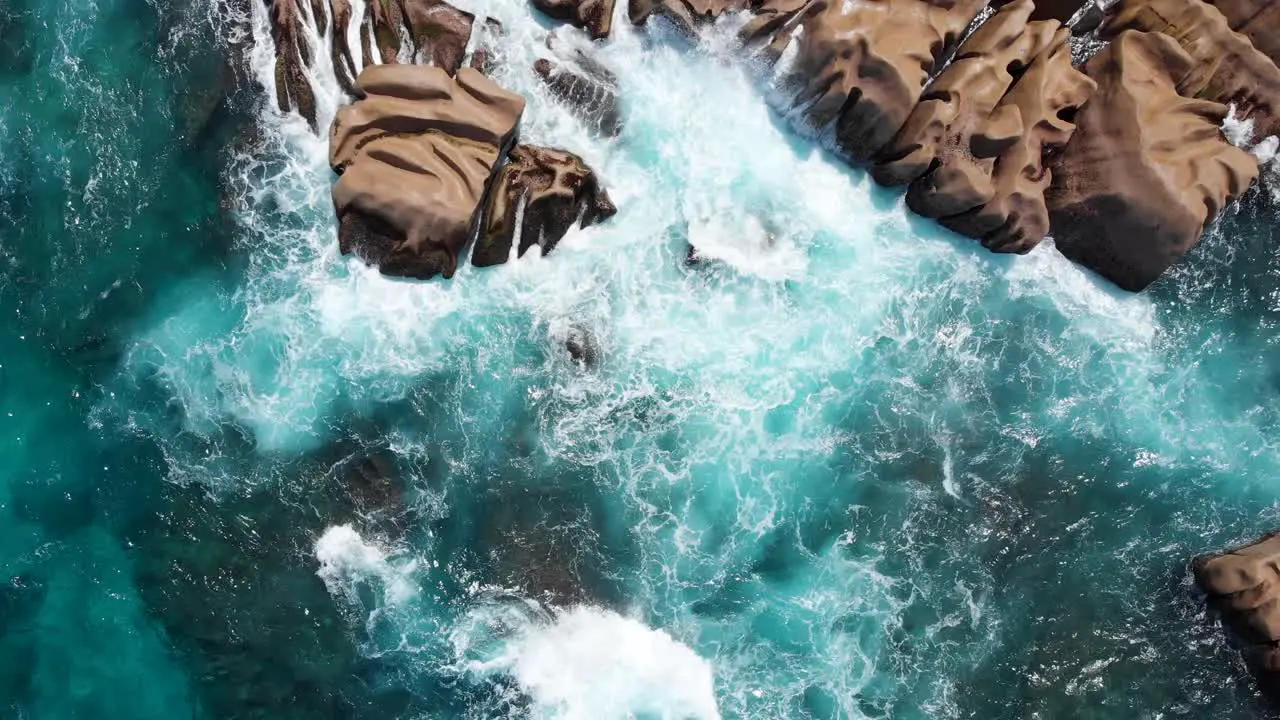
x: 344, y: 64
x: 1146, y: 167
x: 594, y: 16
x: 1226, y: 67
x: 439, y: 33
x: 1258, y: 20
x: 1244, y: 583
x: 862, y: 65
x: 293, y: 57
x: 973, y: 149
x: 537, y: 197
x: 415, y: 156
x: 955, y: 121
x: 1047, y: 96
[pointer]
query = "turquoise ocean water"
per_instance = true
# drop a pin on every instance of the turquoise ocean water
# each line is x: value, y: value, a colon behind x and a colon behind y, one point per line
x: 851, y: 467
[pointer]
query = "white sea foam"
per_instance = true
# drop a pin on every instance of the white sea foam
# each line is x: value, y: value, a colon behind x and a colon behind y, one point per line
x: 347, y: 560
x: 591, y: 664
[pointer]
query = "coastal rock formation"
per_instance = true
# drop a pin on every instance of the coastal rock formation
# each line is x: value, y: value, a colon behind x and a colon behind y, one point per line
x: 293, y: 56
x: 1015, y: 219
x: 594, y: 16
x: 1226, y: 67
x: 415, y: 156
x: 954, y: 132
x: 1245, y: 584
x: 863, y: 65
x: 438, y: 31
x: 1146, y: 167
x: 973, y: 148
x: 1258, y: 20
x: 536, y: 198
x: 431, y: 32
x: 580, y: 82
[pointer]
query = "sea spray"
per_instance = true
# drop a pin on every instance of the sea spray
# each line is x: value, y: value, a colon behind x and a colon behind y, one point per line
x: 584, y: 663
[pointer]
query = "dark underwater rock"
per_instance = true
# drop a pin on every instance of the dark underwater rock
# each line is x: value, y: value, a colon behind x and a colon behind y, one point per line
x: 582, y: 83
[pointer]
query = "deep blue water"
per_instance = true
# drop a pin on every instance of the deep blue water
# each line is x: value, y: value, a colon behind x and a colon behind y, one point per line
x: 852, y: 467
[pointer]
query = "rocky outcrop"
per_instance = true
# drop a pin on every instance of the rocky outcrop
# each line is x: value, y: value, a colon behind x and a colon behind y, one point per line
x: 437, y: 34
x: 1258, y: 20
x: 1047, y: 97
x: 293, y: 57
x: 862, y: 66
x: 1226, y: 67
x: 583, y: 84
x: 1244, y: 584
x: 536, y: 199
x: 594, y: 16
x: 973, y: 147
x: 1146, y: 167
x: 415, y: 156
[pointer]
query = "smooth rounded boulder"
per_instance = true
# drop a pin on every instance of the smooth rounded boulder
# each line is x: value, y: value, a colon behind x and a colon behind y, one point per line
x: 1146, y: 167
x: 415, y: 156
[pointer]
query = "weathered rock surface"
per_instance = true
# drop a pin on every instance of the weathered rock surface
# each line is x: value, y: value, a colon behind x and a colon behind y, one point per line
x: 293, y: 56
x: 415, y: 156
x: 580, y: 82
x: 438, y: 31
x: 1047, y: 96
x: 863, y: 65
x: 594, y: 16
x: 1258, y: 20
x: 1226, y: 68
x: 437, y: 34
x: 954, y: 123
x: 973, y: 148
x: 537, y: 197
x: 1146, y: 167
x: 1245, y: 584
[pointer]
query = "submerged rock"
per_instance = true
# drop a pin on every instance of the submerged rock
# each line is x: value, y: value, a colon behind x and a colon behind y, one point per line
x: 1226, y: 67
x: 415, y: 155
x: 594, y: 16
x: 1146, y: 168
x: 582, y: 83
x: 537, y: 197
x: 1244, y: 583
x: 482, y: 58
